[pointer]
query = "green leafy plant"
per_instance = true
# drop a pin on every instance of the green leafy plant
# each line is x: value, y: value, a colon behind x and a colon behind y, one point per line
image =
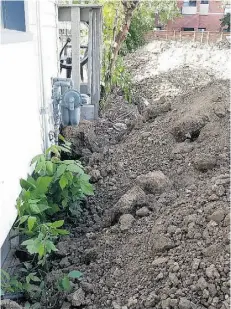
x: 64, y: 284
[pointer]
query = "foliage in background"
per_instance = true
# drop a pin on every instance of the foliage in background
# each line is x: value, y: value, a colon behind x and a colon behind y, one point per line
x: 225, y: 21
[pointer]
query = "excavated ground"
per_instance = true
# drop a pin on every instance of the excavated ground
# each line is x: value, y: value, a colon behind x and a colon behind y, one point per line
x: 156, y: 233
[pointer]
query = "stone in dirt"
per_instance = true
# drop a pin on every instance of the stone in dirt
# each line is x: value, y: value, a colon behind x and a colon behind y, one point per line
x: 189, y: 127
x: 143, y: 212
x: 151, y: 300
x: 159, y: 261
x: 120, y: 126
x: 218, y: 215
x: 126, y: 222
x: 154, y: 182
x: 204, y: 162
x: 78, y: 298
x: 10, y: 304
x: 127, y: 202
x: 184, y: 303
x: 162, y: 243
x: 152, y: 111
x: 90, y: 255
x: 95, y: 175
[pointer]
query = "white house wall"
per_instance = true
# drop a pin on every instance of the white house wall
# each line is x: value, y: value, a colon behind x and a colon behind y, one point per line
x: 25, y: 84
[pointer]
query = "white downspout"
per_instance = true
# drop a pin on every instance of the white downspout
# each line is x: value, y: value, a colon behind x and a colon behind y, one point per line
x: 43, y: 109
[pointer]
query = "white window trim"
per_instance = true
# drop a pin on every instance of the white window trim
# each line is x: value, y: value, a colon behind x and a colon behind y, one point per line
x: 8, y: 36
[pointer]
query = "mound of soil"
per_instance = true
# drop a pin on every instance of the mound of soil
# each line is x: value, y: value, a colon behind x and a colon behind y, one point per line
x: 156, y: 233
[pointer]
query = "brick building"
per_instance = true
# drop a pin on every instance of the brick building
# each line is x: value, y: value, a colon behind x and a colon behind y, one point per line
x: 200, y: 15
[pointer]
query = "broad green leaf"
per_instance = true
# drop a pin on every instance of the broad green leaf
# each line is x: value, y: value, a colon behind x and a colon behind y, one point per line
x: 87, y: 188
x: 35, y: 209
x: 75, y: 274
x: 75, y: 169
x: 35, y: 278
x: 50, y: 246
x: 58, y: 223
x: 36, y: 158
x: 31, y: 221
x: 62, y: 232
x: 25, y: 184
x: 49, y: 166
x: 23, y: 219
x: 41, y: 249
x: 66, y: 284
x: 43, y: 184
x: 60, y: 170
x: 63, y: 182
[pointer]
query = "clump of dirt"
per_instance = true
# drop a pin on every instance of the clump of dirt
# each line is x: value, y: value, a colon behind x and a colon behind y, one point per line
x: 156, y: 233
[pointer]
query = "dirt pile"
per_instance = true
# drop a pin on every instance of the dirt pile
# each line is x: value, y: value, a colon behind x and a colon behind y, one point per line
x: 156, y: 234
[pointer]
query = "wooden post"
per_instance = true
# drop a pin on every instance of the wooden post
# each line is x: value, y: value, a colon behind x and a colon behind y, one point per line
x: 75, y: 36
x: 166, y: 34
x: 89, y: 66
x: 194, y: 37
x: 221, y: 38
x: 208, y: 38
x: 180, y: 36
x: 174, y: 35
x: 202, y: 34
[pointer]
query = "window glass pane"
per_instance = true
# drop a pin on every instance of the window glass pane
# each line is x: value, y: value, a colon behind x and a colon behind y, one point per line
x: 13, y: 15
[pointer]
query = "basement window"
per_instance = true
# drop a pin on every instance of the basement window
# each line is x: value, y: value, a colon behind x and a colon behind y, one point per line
x: 204, y: 2
x: 14, y: 22
x: 201, y: 29
x: 188, y: 29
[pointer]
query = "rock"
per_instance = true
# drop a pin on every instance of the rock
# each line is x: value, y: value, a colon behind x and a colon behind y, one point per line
x: 126, y: 222
x: 10, y: 304
x: 173, y: 302
x: 152, y: 111
x: 188, y: 127
x: 64, y: 262
x: 66, y: 305
x: 219, y: 110
x: 227, y: 220
x: 115, y: 305
x: 87, y: 287
x: 153, y: 182
x: 211, y: 272
x: 127, y: 202
x: 162, y: 243
x: 78, y: 298
x: 63, y: 249
x: 184, y: 303
x: 120, y: 126
x: 202, y: 283
x: 90, y: 255
x: 142, y: 212
x: 204, y: 162
x: 95, y: 175
x: 217, y: 216
x: 173, y: 279
x: 196, y: 264
x: 159, y: 261
x: 151, y: 300
x: 131, y: 302
x: 182, y: 148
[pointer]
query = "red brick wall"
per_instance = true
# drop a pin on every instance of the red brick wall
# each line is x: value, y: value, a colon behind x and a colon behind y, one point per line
x: 211, y: 21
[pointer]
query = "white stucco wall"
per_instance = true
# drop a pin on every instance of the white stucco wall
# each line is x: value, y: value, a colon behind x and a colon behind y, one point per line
x: 25, y: 81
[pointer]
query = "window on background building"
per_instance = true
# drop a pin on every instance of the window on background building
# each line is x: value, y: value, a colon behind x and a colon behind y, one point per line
x: 201, y: 29
x: 188, y: 29
x: 189, y: 3
x: 204, y: 2
x: 13, y: 15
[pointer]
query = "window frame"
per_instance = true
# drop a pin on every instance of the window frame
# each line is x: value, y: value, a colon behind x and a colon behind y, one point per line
x: 204, y: 2
x: 8, y: 36
x: 187, y: 3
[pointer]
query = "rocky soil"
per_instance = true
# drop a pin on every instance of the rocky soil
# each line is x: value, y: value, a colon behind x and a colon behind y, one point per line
x: 156, y: 234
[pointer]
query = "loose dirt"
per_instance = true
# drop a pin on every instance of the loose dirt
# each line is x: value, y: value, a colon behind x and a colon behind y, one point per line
x: 156, y: 233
